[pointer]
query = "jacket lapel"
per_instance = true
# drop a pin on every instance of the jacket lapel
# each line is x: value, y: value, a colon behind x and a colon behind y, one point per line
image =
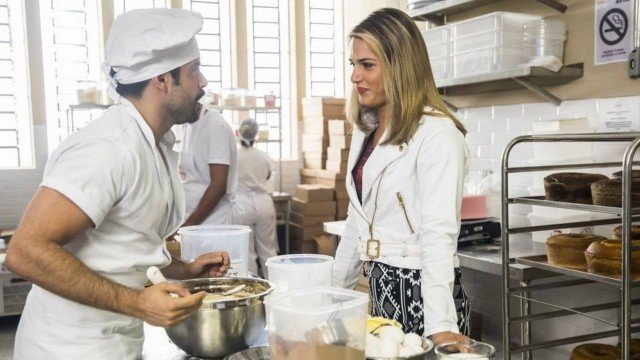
x: 381, y: 157
x: 357, y: 139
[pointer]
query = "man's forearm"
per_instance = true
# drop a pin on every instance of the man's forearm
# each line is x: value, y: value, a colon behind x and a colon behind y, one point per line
x: 175, y: 270
x: 207, y: 204
x: 51, y: 267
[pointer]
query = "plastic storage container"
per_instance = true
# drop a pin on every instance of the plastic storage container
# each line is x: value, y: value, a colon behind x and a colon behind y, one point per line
x: 234, y: 239
x: 317, y: 323
x: 300, y: 271
x: 545, y: 37
x: 489, y: 43
x: 438, y: 43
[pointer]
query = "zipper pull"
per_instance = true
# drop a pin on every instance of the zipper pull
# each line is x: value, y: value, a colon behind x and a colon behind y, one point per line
x: 400, y: 199
x: 371, y: 230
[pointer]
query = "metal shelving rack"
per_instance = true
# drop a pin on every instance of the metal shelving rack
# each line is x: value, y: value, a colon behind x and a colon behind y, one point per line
x: 625, y: 215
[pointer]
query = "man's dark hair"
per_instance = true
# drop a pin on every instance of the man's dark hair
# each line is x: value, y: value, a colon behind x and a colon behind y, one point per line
x: 135, y: 90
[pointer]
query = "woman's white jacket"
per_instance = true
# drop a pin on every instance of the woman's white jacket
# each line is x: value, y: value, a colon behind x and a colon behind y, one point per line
x: 419, y: 187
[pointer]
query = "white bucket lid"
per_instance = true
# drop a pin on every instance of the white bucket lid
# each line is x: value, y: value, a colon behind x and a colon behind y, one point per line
x: 340, y: 299
x: 218, y: 230
x: 298, y: 260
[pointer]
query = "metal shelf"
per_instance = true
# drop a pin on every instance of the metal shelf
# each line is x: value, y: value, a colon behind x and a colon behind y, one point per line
x: 540, y: 201
x: 437, y: 12
x: 624, y: 214
x: 533, y: 78
x: 541, y: 262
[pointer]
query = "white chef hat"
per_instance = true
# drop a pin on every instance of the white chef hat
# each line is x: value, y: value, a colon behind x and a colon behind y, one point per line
x: 248, y: 130
x: 148, y: 42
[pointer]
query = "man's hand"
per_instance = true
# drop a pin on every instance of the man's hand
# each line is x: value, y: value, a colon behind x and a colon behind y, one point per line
x: 448, y: 336
x: 212, y: 264
x: 157, y: 307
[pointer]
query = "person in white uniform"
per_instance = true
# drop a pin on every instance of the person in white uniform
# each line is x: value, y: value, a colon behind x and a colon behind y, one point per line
x: 208, y: 169
x: 254, y: 206
x: 110, y: 196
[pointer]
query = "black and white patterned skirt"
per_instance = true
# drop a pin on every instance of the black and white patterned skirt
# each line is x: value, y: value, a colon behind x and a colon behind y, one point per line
x: 396, y: 294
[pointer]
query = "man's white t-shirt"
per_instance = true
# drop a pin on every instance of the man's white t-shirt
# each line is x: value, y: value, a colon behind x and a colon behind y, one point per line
x: 209, y: 140
x: 254, y: 167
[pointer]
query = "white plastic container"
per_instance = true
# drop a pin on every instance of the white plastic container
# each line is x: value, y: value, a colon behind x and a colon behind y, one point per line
x: 441, y: 67
x: 234, y: 239
x: 486, y: 60
x: 500, y: 20
x: 545, y: 37
x: 300, y: 271
x: 511, y: 39
x: 302, y: 323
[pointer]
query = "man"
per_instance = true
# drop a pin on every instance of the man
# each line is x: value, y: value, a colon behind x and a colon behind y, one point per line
x: 209, y: 170
x: 110, y: 196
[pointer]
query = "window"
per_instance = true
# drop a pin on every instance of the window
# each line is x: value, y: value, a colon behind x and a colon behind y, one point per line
x: 122, y: 6
x: 71, y: 54
x: 16, y: 150
x: 214, y: 41
x: 268, y: 61
x: 325, y: 50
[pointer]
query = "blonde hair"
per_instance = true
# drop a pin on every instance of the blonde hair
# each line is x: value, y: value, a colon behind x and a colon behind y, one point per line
x: 406, y: 73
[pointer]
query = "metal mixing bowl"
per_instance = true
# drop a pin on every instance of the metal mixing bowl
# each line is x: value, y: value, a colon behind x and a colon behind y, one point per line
x: 220, y: 328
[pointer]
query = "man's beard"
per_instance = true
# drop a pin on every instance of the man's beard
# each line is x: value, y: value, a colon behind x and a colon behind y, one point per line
x: 182, y: 114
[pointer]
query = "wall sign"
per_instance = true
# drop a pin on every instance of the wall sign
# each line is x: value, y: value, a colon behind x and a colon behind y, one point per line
x: 619, y: 114
x: 613, y: 30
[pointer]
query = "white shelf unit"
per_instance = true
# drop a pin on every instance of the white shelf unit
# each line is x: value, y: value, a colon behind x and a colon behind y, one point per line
x: 624, y: 215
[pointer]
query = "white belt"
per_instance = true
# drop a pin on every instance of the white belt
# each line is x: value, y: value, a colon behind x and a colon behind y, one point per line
x: 373, y: 249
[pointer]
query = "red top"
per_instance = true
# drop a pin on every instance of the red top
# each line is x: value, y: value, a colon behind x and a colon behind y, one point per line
x: 367, y: 149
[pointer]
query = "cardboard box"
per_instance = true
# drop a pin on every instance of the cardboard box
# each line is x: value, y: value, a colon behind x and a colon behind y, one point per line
x: 340, y: 141
x: 309, y: 193
x: 304, y: 247
x: 315, y: 136
x: 341, y: 193
x: 310, y: 220
x: 337, y: 154
x: 315, y: 127
x: 314, y: 145
x: 325, y: 245
x: 308, y: 172
x: 327, y: 107
x: 342, y: 205
x: 329, y: 182
x: 339, y: 127
x: 174, y: 249
x: 330, y: 174
x: 312, y: 162
x: 313, y: 208
x: 308, y: 179
x: 304, y: 233
x: 337, y: 166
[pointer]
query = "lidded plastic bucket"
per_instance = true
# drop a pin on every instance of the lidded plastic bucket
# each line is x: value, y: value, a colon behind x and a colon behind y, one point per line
x: 300, y: 271
x: 317, y: 323
x: 234, y: 239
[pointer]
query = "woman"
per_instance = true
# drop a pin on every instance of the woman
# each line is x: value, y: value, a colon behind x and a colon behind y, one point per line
x: 407, y: 163
x: 254, y: 206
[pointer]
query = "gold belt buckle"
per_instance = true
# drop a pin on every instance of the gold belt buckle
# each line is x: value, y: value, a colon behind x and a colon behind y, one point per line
x: 373, y: 249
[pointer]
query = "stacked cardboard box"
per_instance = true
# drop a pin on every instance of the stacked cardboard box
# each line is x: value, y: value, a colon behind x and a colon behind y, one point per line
x: 311, y: 206
x: 337, y: 155
x: 316, y: 114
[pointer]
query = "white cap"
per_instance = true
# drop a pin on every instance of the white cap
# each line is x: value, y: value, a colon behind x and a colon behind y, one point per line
x: 148, y: 42
x: 248, y: 130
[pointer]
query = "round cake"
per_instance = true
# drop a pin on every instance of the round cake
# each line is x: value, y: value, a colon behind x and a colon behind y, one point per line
x: 567, y: 250
x: 609, y: 193
x: 604, y: 257
x: 635, y: 346
x: 595, y: 351
x: 570, y: 187
x: 635, y: 232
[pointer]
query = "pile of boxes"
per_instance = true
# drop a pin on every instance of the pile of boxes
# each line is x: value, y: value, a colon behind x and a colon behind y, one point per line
x: 311, y: 206
x: 316, y: 113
